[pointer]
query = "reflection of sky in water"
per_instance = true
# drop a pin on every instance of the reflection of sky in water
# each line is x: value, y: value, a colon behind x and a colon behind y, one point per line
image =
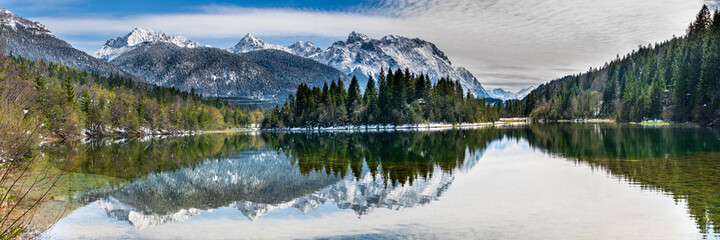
x: 513, y: 192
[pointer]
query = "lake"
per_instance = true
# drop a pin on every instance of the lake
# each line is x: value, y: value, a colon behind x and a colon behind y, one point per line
x: 537, y: 181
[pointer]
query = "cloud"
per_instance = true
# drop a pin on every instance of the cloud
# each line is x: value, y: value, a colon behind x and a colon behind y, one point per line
x: 549, y: 37
x: 227, y: 22
x: 503, y: 42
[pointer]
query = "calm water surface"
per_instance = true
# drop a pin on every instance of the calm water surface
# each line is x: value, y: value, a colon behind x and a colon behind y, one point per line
x: 551, y: 181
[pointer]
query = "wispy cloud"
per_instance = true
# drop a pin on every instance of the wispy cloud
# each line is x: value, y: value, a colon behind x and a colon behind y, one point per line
x: 226, y: 22
x: 549, y: 37
x: 503, y: 42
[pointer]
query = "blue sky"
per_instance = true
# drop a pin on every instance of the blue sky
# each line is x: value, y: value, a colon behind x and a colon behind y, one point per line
x: 505, y: 43
x: 65, y: 8
x: 90, y: 8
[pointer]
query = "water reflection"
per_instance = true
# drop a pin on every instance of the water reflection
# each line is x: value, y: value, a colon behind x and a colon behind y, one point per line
x: 176, y: 179
x: 354, y: 171
x: 684, y: 162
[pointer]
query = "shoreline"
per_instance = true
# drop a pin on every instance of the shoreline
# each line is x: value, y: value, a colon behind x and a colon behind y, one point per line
x: 144, y: 135
x: 404, y: 127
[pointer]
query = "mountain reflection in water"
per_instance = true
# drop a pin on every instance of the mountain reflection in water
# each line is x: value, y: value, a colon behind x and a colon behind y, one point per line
x: 359, y: 171
x: 175, y: 179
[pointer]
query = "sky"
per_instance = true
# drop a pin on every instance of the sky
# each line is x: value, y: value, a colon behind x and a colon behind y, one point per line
x: 510, y: 44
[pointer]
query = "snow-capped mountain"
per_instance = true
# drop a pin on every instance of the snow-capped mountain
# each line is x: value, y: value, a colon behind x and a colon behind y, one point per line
x: 35, y: 41
x: 502, y: 94
x: 362, y: 56
x: 358, y: 55
x: 117, y: 46
x: 270, y: 74
x: 209, y: 71
x: 16, y: 23
x: 304, y: 49
x: 524, y: 92
x: 175, y: 61
x: 251, y: 43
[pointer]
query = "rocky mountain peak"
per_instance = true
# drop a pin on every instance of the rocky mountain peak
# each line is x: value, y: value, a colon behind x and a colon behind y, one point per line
x: 364, y: 57
x: 138, y: 36
x: 13, y: 21
x: 304, y: 49
x: 357, y: 37
x: 251, y: 39
x: 251, y: 43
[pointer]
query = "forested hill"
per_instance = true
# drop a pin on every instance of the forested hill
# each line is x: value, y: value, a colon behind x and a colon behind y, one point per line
x: 59, y: 102
x: 677, y: 80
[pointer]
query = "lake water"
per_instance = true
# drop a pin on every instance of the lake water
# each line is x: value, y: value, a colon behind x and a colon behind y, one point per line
x: 544, y: 181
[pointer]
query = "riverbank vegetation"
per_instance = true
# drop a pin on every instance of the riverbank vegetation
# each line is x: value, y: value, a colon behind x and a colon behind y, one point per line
x: 677, y: 80
x: 398, y: 98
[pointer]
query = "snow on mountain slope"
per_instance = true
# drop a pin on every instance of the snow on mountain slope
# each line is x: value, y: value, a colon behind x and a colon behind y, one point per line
x: 304, y: 49
x: 362, y: 56
x: 33, y: 40
x: 15, y: 22
x: 210, y: 71
x: 504, y: 95
x: 524, y: 92
x: 120, y: 45
x: 174, y: 61
x: 251, y: 43
x: 267, y: 74
x: 501, y: 94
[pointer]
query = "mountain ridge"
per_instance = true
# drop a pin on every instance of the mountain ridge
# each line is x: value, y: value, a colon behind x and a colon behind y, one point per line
x: 363, y: 56
x: 138, y: 36
x: 251, y: 43
x: 502, y: 94
x: 35, y: 41
x: 267, y: 74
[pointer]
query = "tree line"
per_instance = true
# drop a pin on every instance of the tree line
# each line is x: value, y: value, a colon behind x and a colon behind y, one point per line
x: 67, y: 103
x: 677, y: 80
x: 397, y: 97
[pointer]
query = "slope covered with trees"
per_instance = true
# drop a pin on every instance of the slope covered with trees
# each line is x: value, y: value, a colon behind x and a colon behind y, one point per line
x: 66, y: 103
x: 400, y: 98
x: 676, y: 80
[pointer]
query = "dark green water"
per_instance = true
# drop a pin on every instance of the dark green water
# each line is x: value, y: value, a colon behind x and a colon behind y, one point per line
x: 564, y: 181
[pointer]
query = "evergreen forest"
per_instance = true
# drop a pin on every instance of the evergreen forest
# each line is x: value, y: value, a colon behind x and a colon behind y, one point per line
x: 396, y: 98
x: 677, y: 80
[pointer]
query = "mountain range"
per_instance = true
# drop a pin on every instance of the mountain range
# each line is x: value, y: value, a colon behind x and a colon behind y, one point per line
x: 502, y: 94
x: 363, y: 57
x: 33, y: 40
x: 251, y: 68
x: 214, y: 72
x: 176, y: 61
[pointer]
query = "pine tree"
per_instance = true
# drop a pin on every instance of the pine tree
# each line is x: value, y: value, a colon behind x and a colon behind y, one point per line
x: 370, y: 100
x: 69, y: 88
x: 354, y: 100
x: 709, y: 74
